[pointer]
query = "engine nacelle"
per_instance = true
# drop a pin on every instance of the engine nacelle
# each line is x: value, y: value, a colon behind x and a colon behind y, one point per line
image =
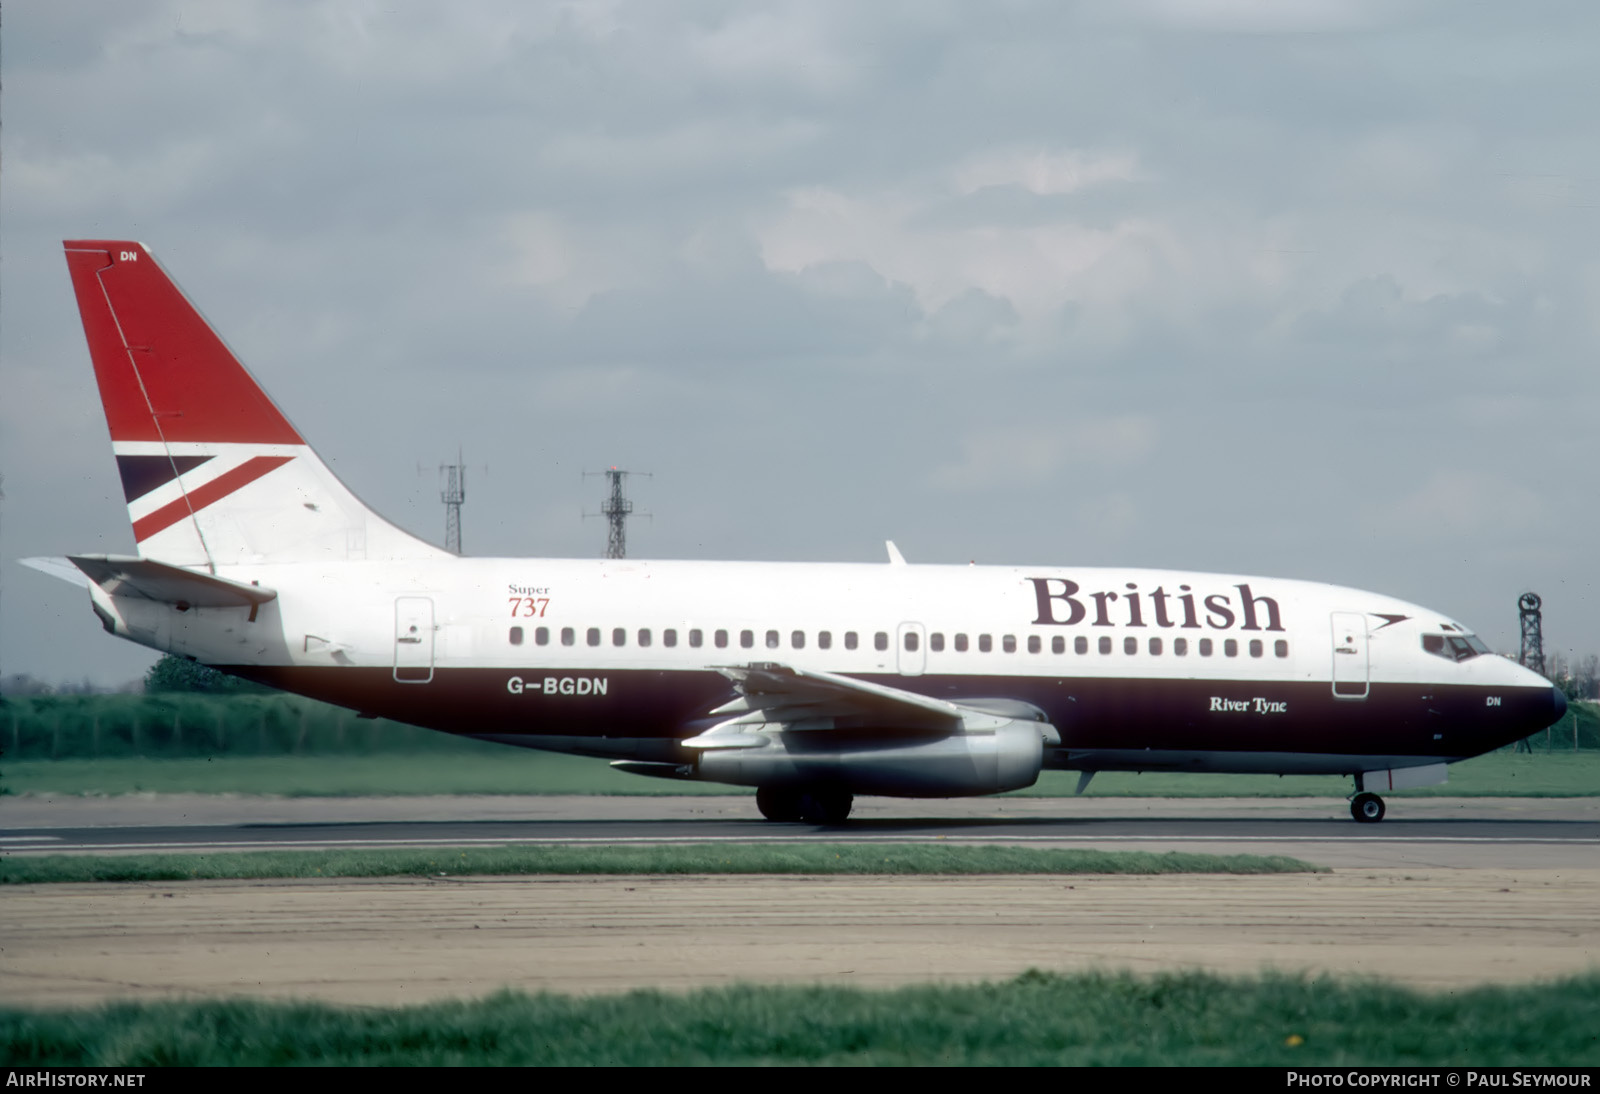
x: 962, y: 764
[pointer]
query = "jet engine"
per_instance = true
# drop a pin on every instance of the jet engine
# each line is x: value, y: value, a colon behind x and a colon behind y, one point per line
x: 1004, y: 754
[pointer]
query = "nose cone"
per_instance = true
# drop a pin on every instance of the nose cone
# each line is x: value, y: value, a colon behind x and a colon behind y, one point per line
x: 1558, y: 701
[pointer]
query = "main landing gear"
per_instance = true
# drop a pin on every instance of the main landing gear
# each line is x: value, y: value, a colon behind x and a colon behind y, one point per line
x: 1366, y: 808
x: 780, y: 803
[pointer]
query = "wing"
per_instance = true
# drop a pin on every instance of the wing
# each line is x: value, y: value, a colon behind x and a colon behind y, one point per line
x: 775, y: 697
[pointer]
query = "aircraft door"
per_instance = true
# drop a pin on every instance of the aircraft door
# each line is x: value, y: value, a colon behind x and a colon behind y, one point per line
x: 911, y: 641
x: 413, y: 639
x: 1350, y: 664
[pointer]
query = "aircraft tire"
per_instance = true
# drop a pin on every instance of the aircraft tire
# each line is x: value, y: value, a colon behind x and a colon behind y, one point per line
x: 825, y: 806
x: 1367, y: 808
x: 778, y: 804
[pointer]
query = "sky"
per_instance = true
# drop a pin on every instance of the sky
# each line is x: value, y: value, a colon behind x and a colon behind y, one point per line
x: 1301, y: 290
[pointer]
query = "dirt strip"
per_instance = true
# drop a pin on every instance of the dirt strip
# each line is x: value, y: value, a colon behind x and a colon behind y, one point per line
x: 402, y: 941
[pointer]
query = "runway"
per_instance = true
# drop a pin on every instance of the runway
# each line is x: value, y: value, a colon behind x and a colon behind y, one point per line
x: 1446, y: 892
x: 1475, y: 832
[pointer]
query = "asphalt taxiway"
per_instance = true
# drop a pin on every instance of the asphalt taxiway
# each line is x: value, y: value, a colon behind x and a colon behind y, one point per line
x: 1462, y: 832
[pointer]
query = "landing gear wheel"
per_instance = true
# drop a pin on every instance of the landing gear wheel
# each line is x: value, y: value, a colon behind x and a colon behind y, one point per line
x: 825, y: 806
x: 777, y: 804
x: 1367, y: 808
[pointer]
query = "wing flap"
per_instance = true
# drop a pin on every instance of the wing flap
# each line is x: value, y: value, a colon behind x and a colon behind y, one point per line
x: 781, y: 697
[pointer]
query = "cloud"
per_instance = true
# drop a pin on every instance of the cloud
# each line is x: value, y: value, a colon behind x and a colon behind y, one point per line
x: 1036, y: 268
x: 1251, y: 16
x: 1375, y: 313
x: 1043, y: 171
x: 1456, y: 503
x: 1015, y: 457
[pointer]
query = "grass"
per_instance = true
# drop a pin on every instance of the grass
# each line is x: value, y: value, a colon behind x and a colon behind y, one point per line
x: 807, y: 859
x: 497, y: 769
x: 1186, y: 1019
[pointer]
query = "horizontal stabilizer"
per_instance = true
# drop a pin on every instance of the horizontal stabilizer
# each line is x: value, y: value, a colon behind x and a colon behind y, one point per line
x: 59, y: 568
x: 146, y: 579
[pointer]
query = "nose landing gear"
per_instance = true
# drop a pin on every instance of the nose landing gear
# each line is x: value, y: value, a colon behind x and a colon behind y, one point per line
x: 1367, y: 808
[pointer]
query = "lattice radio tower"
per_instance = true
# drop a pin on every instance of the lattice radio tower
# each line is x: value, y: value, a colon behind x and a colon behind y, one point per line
x: 454, y: 478
x: 616, y: 509
x: 1532, y: 637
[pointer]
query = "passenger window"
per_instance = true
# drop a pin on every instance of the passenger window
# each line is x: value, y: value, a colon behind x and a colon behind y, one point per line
x: 1080, y: 644
x: 1205, y: 647
x: 985, y: 643
x: 619, y: 636
x: 880, y: 641
x: 1035, y: 645
x: 1008, y: 642
x: 516, y: 636
x: 1255, y: 647
x: 772, y: 640
x: 1180, y: 647
x: 669, y: 638
x: 696, y: 638
x: 1230, y: 647
x: 644, y: 636
x: 850, y: 641
x: 747, y: 639
x: 961, y: 643
x: 936, y: 641
x: 798, y: 640
x: 1130, y: 646
x: 1155, y: 647
x: 911, y: 642
x: 824, y: 640
x: 1281, y: 648
x: 568, y: 636
x: 1058, y: 644
x: 593, y: 636
x: 1105, y: 644
x: 720, y: 640
x: 541, y: 636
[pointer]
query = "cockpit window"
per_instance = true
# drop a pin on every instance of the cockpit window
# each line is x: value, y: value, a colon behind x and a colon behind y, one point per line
x: 1454, y: 647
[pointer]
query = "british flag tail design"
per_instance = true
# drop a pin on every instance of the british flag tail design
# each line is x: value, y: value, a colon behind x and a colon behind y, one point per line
x: 213, y: 473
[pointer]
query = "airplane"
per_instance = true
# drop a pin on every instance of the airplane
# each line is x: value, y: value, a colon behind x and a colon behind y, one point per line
x: 812, y: 683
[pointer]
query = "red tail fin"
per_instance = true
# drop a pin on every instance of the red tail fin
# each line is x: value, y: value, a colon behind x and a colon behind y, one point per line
x: 164, y: 375
x: 213, y: 472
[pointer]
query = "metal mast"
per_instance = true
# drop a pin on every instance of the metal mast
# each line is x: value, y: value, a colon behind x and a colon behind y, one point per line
x: 453, y: 494
x: 616, y: 509
x: 1532, y: 637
